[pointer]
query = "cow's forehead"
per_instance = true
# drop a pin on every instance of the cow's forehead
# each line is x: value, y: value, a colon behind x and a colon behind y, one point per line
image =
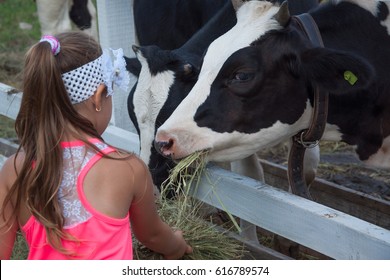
x: 254, y: 19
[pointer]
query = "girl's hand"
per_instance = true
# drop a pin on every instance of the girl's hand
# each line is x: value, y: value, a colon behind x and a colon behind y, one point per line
x: 182, y: 247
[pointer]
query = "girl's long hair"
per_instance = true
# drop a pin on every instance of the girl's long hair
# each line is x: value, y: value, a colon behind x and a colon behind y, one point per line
x: 44, y: 114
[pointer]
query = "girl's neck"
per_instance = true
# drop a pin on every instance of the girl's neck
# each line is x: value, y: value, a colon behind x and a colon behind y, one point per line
x: 73, y: 134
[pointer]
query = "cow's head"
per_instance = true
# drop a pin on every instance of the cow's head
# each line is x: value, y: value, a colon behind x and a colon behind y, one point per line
x: 255, y: 87
x: 164, y: 79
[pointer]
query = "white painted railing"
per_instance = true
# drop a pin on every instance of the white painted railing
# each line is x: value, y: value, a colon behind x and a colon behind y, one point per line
x: 326, y: 230
x: 116, y: 30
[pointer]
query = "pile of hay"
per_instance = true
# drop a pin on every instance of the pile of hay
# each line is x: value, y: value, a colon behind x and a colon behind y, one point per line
x: 208, y: 241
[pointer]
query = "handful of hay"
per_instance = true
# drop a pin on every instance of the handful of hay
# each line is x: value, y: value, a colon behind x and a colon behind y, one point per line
x: 182, y: 212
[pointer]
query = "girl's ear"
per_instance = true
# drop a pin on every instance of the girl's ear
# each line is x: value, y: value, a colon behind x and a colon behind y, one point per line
x: 97, y: 97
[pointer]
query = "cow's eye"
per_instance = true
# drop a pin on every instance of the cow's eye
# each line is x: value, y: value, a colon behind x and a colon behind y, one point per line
x: 242, y: 77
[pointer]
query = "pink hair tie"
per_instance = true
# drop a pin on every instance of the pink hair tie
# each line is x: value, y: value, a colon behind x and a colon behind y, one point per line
x: 54, y: 43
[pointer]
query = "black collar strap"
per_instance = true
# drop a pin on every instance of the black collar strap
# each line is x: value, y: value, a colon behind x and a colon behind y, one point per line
x: 310, y: 137
x: 309, y: 26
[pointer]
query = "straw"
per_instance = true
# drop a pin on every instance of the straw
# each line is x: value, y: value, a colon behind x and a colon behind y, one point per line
x: 208, y: 240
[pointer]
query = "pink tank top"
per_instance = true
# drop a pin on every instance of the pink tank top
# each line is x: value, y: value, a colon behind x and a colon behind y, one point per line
x: 98, y: 236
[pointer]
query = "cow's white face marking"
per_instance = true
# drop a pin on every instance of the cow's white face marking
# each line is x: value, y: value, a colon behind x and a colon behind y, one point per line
x: 149, y: 97
x: 254, y: 18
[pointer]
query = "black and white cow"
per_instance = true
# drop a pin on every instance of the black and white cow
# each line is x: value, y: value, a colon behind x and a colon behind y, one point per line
x: 56, y: 16
x: 166, y: 79
x: 255, y: 88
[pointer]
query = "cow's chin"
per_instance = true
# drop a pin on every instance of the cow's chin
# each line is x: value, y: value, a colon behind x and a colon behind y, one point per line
x: 229, y: 154
x: 225, y: 154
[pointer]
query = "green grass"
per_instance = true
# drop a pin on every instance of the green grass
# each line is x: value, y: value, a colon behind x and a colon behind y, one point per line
x: 13, y: 12
x: 20, y: 251
x: 14, y: 41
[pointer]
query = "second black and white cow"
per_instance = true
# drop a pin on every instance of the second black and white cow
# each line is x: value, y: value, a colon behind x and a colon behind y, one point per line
x: 165, y: 79
x: 256, y: 85
x: 170, y: 23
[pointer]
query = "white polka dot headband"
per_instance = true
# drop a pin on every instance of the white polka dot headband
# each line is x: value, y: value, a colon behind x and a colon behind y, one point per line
x: 82, y: 82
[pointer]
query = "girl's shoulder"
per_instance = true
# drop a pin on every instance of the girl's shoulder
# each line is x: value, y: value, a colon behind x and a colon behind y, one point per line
x: 122, y: 167
x: 129, y: 162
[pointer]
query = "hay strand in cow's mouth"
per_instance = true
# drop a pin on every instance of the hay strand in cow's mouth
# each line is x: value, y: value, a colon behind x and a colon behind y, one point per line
x: 208, y: 240
x: 185, y: 173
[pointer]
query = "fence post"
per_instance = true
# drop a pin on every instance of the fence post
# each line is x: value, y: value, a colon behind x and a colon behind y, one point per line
x: 116, y: 30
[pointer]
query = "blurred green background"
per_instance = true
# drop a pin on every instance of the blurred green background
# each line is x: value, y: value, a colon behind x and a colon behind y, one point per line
x: 19, y: 28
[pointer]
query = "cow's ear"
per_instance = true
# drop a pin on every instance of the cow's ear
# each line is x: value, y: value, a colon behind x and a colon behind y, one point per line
x: 188, y: 71
x: 283, y: 15
x: 133, y: 65
x: 336, y: 72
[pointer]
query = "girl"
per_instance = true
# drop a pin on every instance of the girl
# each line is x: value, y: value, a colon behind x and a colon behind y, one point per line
x: 72, y: 195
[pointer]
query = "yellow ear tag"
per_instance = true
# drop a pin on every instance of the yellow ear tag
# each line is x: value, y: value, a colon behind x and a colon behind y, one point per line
x: 350, y: 77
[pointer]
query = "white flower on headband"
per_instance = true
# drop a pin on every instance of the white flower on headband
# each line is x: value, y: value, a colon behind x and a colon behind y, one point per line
x: 114, y: 70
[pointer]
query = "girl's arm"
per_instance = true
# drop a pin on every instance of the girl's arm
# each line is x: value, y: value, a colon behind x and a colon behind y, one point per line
x: 7, y: 230
x: 147, y: 226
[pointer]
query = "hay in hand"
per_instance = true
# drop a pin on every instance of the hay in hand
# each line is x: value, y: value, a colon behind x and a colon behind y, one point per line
x: 182, y: 212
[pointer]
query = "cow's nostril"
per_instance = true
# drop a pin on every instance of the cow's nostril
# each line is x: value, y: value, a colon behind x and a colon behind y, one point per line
x: 164, y: 147
x: 170, y: 144
x: 167, y: 145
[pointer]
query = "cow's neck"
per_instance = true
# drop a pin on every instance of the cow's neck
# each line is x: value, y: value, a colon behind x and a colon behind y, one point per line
x: 353, y: 122
x: 357, y: 127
